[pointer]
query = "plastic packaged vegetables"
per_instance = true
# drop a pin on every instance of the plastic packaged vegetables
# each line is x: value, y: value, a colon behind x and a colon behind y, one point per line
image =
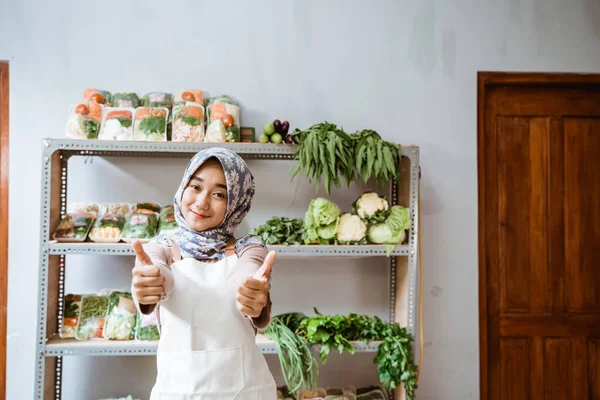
x: 141, y: 225
x: 98, y: 95
x: 191, y: 95
x: 146, y: 327
x: 107, y: 228
x: 223, y: 115
x: 188, y: 122
x: 167, y: 223
x: 125, y: 100
x: 84, y: 121
x: 74, y: 227
x: 120, y: 317
x: 148, y: 206
x: 91, y: 317
x: 151, y: 124
x: 157, y: 99
x: 117, y: 124
x: 70, y: 317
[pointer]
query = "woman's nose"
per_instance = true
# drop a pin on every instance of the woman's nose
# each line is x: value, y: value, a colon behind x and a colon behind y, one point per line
x: 202, y: 201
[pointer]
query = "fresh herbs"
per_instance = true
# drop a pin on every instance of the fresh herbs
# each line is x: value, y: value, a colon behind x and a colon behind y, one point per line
x: 394, y: 353
x: 281, y: 230
x: 325, y: 151
x: 300, y: 368
x: 91, y: 129
x: 375, y: 157
x: 153, y: 124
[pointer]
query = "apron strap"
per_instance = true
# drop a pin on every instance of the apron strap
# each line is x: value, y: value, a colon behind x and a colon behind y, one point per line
x: 230, y: 249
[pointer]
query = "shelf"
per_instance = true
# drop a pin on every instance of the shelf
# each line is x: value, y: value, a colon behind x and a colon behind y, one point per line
x: 124, y: 148
x: 57, y: 347
x: 124, y: 249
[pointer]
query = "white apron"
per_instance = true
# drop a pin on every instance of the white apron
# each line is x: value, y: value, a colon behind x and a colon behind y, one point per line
x: 207, y: 349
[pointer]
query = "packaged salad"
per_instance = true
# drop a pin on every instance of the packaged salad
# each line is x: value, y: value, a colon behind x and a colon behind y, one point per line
x: 123, y: 99
x: 91, y: 317
x: 151, y: 124
x: 157, y: 99
x: 84, y: 208
x: 190, y: 95
x: 107, y: 228
x: 98, y: 95
x: 117, y: 124
x: 74, y: 227
x: 188, y: 122
x: 223, y: 116
x: 120, y: 316
x: 70, y: 316
x: 84, y: 121
x: 141, y: 225
x: 167, y: 223
x: 146, y: 327
x: 122, y: 209
x: 149, y: 206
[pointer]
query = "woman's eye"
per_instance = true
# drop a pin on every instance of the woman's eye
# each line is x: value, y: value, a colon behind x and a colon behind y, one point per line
x: 220, y: 195
x: 195, y: 187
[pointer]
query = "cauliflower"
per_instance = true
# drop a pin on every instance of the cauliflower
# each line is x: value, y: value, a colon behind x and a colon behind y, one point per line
x: 371, y: 207
x: 351, y: 229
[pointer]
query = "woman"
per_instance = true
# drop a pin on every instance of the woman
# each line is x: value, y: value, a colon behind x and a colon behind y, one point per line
x: 213, y: 291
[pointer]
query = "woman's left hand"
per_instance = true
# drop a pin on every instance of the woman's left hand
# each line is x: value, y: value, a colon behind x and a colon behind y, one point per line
x: 253, y: 293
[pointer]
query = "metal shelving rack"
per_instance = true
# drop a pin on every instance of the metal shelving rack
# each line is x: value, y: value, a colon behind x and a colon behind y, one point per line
x: 55, y: 156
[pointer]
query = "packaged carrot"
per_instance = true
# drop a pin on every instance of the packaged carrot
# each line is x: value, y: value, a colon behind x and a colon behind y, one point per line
x: 84, y: 121
x: 151, y: 124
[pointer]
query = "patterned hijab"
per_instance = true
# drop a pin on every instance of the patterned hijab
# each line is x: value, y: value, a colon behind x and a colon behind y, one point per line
x: 211, y: 243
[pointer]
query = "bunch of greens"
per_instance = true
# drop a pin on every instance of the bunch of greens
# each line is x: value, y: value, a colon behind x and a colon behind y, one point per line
x: 325, y: 151
x: 394, y: 354
x: 281, y: 230
x: 300, y: 368
x: 375, y: 157
x: 321, y: 221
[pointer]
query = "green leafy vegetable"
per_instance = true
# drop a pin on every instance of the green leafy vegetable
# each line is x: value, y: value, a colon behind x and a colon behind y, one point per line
x: 91, y: 129
x: 233, y: 134
x: 125, y: 122
x: 320, y: 221
x: 146, y: 327
x: 193, y: 121
x: 281, y: 230
x: 325, y: 151
x: 375, y: 157
x: 153, y: 124
x: 72, y: 302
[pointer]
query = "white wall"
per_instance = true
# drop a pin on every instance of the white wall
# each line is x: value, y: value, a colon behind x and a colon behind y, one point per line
x: 405, y: 68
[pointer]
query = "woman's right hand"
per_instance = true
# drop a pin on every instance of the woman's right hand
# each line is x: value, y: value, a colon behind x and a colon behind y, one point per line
x: 147, y: 284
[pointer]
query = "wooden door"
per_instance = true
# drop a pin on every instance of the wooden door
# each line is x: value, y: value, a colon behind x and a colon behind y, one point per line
x: 539, y: 236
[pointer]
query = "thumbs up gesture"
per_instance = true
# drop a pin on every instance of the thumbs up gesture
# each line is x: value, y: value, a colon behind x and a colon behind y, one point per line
x: 253, y: 293
x: 147, y: 283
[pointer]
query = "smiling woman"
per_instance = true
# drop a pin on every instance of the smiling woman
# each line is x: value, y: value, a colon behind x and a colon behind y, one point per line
x: 3, y: 218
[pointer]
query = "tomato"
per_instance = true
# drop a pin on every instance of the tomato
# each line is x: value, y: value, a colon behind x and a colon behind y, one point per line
x: 98, y: 98
x: 187, y: 96
x: 227, y: 120
x: 82, y: 109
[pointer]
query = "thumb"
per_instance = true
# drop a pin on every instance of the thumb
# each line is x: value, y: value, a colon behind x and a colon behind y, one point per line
x: 264, y: 272
x: 141, y: 255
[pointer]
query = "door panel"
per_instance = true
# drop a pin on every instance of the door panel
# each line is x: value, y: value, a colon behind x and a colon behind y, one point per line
x: 539, y: 205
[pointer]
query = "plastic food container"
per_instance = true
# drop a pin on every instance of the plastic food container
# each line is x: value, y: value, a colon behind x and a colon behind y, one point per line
x: 167, y: 223
x: 92, y: 317
x: 120, y: 317
x: 70, y: 316
x: 84, y: 121
x: 117, y: 124
x: 74, y: 227
x: 141, y: 225
x: 188, y: 122
x: 123, y: 99
x: 157, y: 99
x: 191, y: 95
x: 151, y: 124
x: 146, y: 327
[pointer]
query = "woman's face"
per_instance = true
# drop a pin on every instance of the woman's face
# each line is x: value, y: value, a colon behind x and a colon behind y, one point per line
x: 204, y: 201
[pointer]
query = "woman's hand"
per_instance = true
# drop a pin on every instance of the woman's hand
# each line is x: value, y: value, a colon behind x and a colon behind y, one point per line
x: 147, y: 281
x: 253, y: 293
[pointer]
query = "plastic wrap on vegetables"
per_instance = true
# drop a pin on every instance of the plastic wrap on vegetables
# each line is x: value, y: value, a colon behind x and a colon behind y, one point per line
x: 151, y: 124
x: 141, y: 225
x: 146, y: 327
x: 74, y: 227
x: 70, y: 316
x: 190, y: 95
x: 117, y: 124
x: 188, y: 122
x: 93, y: 208
x: 107, y: 228
x: 125, y: 99
x: 223, y: 122
x: 167, y: 223
x: 121, y: 209
x: 224, y: 99
x: 120, y: 317
x: 98, y: 95
x: 148, y: 206
x: 91, y: 317
x: 84, y: 121
x: 157, y: 99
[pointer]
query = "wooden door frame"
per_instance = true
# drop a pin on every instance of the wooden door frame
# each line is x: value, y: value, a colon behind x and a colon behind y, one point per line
x: 485, y: 82
x: 4, y: 107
